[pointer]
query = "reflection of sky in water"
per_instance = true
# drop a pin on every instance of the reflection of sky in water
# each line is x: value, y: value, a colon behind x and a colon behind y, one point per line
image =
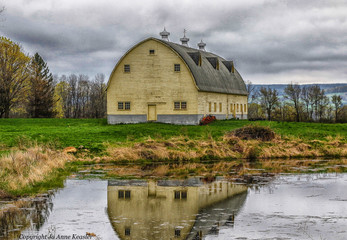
x: 294, y: 207
x: 291, y: 207
x: 79, y: 208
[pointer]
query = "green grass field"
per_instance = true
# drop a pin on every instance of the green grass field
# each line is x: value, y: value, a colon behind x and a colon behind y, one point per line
x: 93, y: 133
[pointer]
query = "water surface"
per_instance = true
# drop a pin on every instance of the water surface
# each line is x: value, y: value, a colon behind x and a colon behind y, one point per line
x: 304, y: 206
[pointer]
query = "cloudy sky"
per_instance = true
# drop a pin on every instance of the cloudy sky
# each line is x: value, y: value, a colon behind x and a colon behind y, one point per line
x: 271, y: 41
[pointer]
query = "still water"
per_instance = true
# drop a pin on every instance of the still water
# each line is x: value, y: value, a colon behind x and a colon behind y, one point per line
x: 305, y: 206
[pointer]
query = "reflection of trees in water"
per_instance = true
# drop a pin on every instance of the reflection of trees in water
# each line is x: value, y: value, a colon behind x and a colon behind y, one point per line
x: 30, y: 213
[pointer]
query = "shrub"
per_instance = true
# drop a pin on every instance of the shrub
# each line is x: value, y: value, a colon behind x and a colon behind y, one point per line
x: 208, y: 119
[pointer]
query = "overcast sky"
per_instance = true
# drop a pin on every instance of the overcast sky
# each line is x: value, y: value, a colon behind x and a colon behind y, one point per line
x: 270, y: 41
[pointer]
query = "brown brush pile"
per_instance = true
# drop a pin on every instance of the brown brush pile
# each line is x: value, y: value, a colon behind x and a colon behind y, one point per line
x: 254, y: 132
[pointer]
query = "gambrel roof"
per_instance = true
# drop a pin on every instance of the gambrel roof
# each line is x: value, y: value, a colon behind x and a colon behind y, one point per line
x: 213, y: 73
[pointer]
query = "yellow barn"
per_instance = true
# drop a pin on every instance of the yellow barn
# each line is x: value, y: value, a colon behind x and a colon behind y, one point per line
x: 158, y: 80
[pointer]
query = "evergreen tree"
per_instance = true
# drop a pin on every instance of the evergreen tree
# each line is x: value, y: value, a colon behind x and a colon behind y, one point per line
x: 41, y: 89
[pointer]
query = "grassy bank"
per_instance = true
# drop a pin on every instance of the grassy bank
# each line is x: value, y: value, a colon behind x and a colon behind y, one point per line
x: 27, y: 167
x: 94, y: 133
x: 32, y: 170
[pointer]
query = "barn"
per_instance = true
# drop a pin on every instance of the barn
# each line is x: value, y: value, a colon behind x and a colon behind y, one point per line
x: 161, y: 81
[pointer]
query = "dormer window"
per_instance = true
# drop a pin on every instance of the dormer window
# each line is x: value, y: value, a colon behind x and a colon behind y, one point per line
x: 196, y: 57
x: 214, y: 62
x: 229, y: 65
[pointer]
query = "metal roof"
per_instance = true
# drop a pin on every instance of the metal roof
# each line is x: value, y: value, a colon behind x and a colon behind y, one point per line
x: 211, y: 75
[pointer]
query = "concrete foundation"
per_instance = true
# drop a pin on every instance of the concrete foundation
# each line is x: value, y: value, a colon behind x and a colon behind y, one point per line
x: 117, y: 119
x: 188, y: 119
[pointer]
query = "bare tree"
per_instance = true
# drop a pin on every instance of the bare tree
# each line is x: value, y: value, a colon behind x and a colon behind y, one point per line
x: 82, y: 94
x: 98, y: 96
x: 269, y: 100
x: 80, y: 97
x: 305, y: 97
x: 293, y: 93
x: 337, y: 104
x: 318, y: 101
x: 251, y: 91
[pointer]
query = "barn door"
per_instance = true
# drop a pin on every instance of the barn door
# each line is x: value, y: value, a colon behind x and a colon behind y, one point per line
x: 152, y: 113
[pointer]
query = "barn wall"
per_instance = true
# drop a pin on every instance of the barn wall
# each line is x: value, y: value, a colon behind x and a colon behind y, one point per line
x: 226, y: 100
x: 152, y: 81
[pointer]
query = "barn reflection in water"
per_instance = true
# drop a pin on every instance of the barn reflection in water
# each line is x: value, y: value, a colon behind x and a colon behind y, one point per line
x: 173, y: 209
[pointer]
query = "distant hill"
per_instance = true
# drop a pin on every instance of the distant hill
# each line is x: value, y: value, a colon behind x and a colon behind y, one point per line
x: 330, y: 89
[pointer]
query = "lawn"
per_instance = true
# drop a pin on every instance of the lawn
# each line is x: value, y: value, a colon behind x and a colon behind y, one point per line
x: 93, y: 133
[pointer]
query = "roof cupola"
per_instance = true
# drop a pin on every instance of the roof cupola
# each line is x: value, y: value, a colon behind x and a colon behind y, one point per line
x: 201, y: 45
x: 164, y: 35
x: 184, y: 40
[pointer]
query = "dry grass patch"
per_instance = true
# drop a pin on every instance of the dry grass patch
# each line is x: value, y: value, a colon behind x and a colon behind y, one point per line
x: 23, y: 168
x: 250, y: 142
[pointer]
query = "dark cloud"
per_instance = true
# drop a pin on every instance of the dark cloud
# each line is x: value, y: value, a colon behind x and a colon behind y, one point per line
x: 271, y: 41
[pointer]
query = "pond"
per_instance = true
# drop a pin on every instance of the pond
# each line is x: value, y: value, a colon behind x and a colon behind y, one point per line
x: 302, y: 206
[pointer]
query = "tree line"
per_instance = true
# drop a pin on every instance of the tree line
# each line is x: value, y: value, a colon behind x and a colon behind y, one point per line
x: 28, y: 88
x: 299, y: 103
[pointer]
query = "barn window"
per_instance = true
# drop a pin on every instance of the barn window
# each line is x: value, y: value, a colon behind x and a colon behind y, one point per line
x: 180, y: 195
x: 124, y: 194
x: 120, y: 105
x: 237, y: 107
x: 127, y: 194
x: 127, y: 106
x: 127, y: 68
x: 177, y: 232
x: 209, y: 107
x: 183, y: 194
x: 245, y: 108
x: 177, y: 195
x: 241, y: 108
x: 151, y: 51
x: 215, y: 107
x: 177, y: 105
x: 127, y: 231
x: 231, y: 107
x: 121, y: 194
x: 180, y: 105
x: 123, y: 105
x: 220, y: 107
x: 177, y: 67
